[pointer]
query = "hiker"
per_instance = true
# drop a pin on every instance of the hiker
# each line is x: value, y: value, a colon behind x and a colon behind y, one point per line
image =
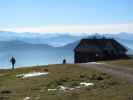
x: 64, y: 61
x: 13, y: 61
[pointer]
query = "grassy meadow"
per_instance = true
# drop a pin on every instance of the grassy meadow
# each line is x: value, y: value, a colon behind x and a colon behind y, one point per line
x: 105, y: 87
x: 122, y: 63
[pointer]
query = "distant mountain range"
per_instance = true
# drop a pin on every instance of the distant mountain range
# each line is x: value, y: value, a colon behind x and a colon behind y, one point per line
x: 55, y: 39
x: 36, y: 49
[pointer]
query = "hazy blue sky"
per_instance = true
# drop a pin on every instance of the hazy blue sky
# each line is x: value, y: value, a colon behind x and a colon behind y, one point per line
x: 41, y: 13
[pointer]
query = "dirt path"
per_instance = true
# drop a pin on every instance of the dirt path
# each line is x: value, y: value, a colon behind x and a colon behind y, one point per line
x: 117, y: 72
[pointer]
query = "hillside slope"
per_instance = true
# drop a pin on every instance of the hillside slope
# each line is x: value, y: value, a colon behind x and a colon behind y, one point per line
x: 105, y: 87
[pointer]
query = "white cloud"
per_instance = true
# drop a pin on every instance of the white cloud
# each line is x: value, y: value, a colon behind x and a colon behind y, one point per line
x: 73, y: 29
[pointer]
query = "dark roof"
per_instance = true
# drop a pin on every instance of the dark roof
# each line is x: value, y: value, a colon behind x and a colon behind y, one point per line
x: 97, y: 45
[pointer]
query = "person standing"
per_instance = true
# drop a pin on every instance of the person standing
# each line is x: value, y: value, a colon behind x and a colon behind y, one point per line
x: 64, y: 61
x: 13, y: 61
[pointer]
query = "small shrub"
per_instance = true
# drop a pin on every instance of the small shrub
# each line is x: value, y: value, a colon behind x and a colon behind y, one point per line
x: 104, y: 73
x: 99, y: 78
x: 59, y: 82
x: 52, y: 84
x: 46, y: 70
x: 73, y: 83
x: 82, y: 76
x: 5, y: 92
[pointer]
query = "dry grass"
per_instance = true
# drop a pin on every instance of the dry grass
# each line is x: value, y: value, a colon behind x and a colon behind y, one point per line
x: 122, y: 63
x: 106, y: 87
